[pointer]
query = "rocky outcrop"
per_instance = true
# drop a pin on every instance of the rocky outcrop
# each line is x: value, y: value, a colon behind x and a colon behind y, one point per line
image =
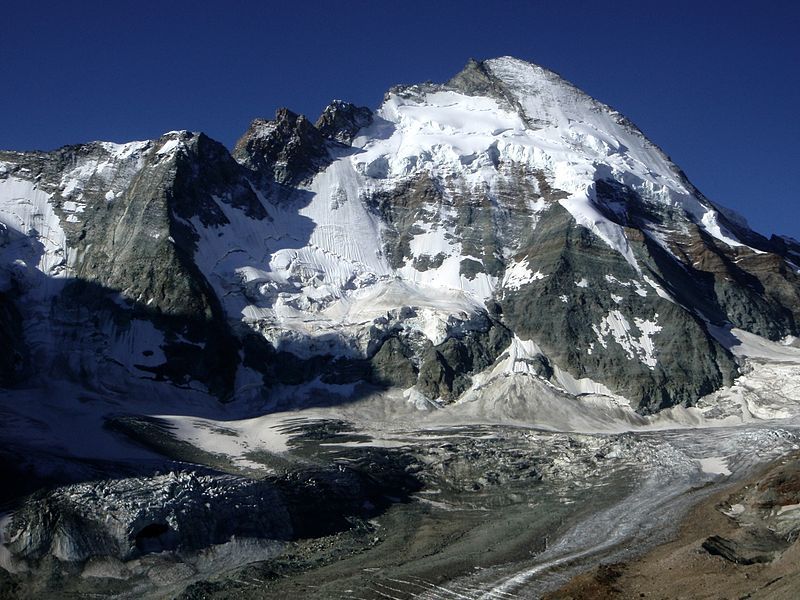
x: 445, y: 370
x: 394, y: 365
x: 128, y: 219
x: 764, y: 518
x: 730, y: 545
x: 287, y: 150
x: 476, y: 80
x: 341, y: 121
x: 611, y: 317
x: 402, y: 209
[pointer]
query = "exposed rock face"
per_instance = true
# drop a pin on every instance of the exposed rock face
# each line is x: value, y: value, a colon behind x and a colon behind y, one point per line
x: 412, y: 247
x: 477, y: 80
x: 402, y: 210
x: 126, y: 215
x: 288, y: 149
x: 341, y: 121
x: 594, y: 299
x: 445, y: 369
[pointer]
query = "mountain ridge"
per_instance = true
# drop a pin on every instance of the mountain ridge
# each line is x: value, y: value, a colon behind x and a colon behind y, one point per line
x: 412, y: 246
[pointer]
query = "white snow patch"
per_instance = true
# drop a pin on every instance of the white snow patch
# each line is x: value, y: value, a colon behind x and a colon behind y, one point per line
x: 520, y: 354
x: 734, y: 511
x: 640, y: 289
x: 169, y: 146
x: 710, y: 222
x: 749, y: 345
x: 714, y: 465
x: 660, y: 291
x: 583, y: 211
x: 418, y: 400
x: 433, y: 242
x: 519, y: 274
x: 234, y: 438
x: 125, y: 151
x: 26, y: 210
x: 616, y: 326
x: 70, y: 206
x: 138, y: 346
x: 788, y: 508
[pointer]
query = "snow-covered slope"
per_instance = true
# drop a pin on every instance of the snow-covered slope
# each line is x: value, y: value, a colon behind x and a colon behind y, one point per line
x: 462, y: 230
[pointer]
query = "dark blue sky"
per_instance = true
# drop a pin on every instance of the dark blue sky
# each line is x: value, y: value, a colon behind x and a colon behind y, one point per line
x: 717, y: 86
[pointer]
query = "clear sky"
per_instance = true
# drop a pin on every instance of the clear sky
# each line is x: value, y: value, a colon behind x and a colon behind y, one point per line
x: 716, y: 84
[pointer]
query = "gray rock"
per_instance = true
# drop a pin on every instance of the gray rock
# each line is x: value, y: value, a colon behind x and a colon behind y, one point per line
x: 287, y: 150
x: 445, y: 370
x: 393, y: 364
x: 340, y: 121
x: 566, y: 320
x: 400, y: 209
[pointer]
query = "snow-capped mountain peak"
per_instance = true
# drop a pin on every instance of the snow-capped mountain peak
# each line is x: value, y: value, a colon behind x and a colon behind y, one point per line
x: 412, y: 246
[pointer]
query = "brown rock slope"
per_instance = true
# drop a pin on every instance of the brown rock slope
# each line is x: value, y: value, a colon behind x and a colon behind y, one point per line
x: 740, y: 543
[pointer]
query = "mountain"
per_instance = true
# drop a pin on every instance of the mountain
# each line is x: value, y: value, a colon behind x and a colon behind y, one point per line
x: 408, y: 352
x: 501, y: 231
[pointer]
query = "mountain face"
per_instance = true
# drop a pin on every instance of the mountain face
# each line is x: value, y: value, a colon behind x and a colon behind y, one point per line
x: 501, y: 225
